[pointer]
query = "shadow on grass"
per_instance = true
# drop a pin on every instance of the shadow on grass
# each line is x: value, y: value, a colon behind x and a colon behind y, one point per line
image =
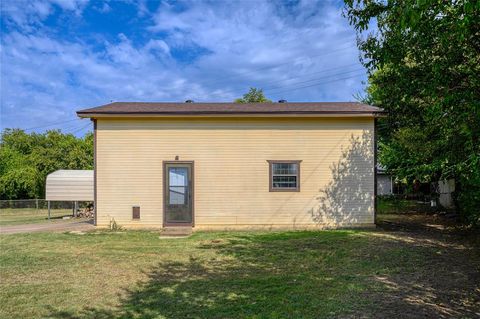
x: 293, y: 275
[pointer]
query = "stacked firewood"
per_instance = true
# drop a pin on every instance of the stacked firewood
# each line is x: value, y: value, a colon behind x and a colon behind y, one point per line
x: 86, y: 212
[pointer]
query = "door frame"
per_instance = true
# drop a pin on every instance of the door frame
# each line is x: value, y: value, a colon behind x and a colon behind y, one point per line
x: 192, y: 190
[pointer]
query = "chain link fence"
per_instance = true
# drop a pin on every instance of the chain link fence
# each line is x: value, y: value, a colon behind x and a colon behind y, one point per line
x: 29, y: 211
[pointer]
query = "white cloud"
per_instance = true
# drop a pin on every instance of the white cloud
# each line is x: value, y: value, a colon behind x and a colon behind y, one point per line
x: 261, y: 43
x: 158, y: 46
x: 54, y: 78
x: 27, y: 14
x: 72, y: 5
x: 205, y: 52
x: 104, y: 8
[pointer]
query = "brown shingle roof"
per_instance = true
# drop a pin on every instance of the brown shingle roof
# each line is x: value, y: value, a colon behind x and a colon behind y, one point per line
x: 143, y: 108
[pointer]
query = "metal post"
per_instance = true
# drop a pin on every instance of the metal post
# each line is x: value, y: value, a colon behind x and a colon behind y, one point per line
x: 76, y: 209
x: 391, y: 185
x: 48, y: 202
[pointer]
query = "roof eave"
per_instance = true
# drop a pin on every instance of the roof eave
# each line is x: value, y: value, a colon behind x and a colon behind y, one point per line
x: 229, y: 114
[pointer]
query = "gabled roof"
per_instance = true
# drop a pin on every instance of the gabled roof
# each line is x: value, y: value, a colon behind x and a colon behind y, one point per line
x: 225, y: 109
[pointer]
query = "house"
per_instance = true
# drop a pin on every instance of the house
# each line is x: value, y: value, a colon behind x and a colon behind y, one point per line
x: 234, y: 166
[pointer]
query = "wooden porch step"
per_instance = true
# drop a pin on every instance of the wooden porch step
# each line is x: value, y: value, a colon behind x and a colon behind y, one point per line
x: 176, y: 231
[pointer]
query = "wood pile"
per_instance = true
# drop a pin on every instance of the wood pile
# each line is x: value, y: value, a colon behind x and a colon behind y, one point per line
x: 86, y: 212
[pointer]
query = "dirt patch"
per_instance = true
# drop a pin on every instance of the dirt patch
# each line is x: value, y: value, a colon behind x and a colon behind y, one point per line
x: 443, y: 280
x: 67, y: 225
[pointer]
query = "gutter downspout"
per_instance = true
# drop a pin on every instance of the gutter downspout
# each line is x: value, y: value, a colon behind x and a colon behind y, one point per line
x: 94, y: 171
x: 375, y: 171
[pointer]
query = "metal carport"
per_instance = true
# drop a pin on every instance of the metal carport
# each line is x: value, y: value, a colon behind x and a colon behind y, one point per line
x: 69, y: 185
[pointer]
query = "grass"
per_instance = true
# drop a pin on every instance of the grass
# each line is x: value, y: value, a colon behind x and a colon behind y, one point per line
x: 17, y: 216
x: 392, y: 205
x: 304, y: 274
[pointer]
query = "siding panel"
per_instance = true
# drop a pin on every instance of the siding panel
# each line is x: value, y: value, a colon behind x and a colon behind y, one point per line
x: 231, y: 169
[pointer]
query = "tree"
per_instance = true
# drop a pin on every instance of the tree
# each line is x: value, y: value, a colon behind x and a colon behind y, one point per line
x: 253, y: 96
x: 27, y: 159
x: 423, y: 58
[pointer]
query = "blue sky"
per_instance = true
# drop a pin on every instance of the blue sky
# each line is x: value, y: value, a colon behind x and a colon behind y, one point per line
x: 59, y: 56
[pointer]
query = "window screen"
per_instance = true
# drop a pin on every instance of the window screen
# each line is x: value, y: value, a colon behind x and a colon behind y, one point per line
x: 178, y: 185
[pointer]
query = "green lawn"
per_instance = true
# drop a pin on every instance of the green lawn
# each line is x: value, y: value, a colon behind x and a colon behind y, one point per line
x: 391, y: 205
x: 17, y: 216
x: 305, y: 274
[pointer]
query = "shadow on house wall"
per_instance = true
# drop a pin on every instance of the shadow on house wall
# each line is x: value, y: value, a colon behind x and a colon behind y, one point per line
x: 349, y: 196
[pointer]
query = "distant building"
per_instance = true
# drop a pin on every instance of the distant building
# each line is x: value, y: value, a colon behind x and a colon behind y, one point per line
x: 384, y: 182
x: 386, y: 185
x: 445, y: 189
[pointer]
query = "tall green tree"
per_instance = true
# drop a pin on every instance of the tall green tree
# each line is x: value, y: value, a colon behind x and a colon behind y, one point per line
x: 27, y: 159
x: 423, y: 58
x: 254, y: 95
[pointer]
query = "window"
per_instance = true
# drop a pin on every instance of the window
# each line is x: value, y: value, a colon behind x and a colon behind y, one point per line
x: 178, y: 185
x: 284, y: 176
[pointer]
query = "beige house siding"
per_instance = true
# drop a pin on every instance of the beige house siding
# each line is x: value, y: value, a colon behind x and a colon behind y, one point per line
x: 232, y: 173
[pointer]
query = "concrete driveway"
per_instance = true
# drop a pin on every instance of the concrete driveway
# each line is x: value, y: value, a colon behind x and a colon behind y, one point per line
x: 59, y: 226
